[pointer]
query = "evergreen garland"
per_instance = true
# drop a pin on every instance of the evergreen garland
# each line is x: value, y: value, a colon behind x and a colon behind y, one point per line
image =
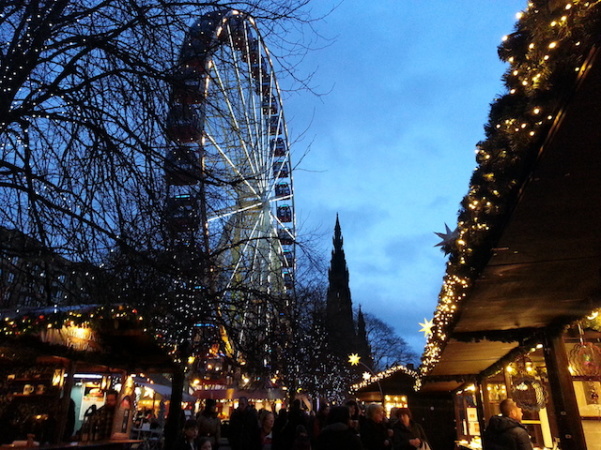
x: 546, y: 53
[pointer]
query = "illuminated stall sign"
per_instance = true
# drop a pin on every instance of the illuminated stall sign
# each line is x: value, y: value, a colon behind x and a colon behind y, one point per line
x: 77, y: 338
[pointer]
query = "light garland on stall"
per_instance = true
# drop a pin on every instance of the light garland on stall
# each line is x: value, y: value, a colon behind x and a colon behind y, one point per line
x: 30, y: 323
x: 384, y: 374
x: 546, y: 54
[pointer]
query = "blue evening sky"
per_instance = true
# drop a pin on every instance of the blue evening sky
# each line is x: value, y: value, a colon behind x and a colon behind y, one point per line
x: 407, y: 86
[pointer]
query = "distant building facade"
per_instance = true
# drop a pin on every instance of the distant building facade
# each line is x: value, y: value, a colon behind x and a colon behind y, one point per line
x: 32, y: 276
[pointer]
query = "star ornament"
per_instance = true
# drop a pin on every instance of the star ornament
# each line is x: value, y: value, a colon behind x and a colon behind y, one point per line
x: 448, y: 239
x: 426, y: 327
x: 354, y: 359
x: 366, y: 376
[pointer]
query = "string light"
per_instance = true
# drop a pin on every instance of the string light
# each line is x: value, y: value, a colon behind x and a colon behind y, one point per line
x: 510, y: 137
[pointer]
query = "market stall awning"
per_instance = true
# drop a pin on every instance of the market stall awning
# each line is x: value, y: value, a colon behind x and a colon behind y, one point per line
x: 112, y: 341
x: 163, y: 390
x: 546, y: 268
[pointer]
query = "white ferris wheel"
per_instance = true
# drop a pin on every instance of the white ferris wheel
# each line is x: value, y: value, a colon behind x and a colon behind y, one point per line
x: 228, y: 167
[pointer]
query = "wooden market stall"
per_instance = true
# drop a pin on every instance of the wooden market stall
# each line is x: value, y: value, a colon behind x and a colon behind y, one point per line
x: 397, y: 387
x: 517, y: 313
x: 53, y: 369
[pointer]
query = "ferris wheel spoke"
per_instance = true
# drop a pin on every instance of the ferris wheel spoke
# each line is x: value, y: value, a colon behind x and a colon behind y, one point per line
x: 252, y: 121
x: 233, y: 166
x: 248, y: 248
x: 232, y: 114
x: 223, y: 214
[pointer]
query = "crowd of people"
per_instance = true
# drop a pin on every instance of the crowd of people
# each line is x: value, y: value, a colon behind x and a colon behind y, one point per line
x: 340, y: 427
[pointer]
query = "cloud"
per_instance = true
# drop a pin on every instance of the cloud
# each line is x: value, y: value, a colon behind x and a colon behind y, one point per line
x: 408, y: 87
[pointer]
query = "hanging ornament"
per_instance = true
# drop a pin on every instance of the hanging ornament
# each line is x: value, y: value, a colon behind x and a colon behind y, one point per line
x: 448, y: 239
x: 426, y: 327
x: 529, y: 393
x: 585, y: 360
x: 527, y: 390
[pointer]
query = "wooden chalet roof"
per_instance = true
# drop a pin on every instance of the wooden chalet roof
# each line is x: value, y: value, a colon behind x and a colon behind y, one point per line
x: 546, y: 268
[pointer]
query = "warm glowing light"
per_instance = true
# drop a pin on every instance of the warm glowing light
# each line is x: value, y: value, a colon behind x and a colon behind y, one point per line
x: 354, y: 359
x: 426, y: 327
x: 81, y: 333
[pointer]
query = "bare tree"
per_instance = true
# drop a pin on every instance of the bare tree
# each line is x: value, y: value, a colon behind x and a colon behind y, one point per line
x: 85, y: 89
x: 387, y: 347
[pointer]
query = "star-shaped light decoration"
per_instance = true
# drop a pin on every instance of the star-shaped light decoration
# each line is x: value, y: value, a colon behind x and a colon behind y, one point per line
x: 426, y: 327
x: 366, y: 376
x: 354, y: 359
x: 448, y: 239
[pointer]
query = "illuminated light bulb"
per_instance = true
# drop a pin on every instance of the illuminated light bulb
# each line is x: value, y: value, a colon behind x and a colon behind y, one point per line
x: 553, y: 44
x: 569, y: 6
x: 536, y: 110
x: 519, y: 15
x: 531, y: 46
x: 553, y: 23
x: 512, y: 91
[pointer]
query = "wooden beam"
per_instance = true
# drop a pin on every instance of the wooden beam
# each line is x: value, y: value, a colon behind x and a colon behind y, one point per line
x: 569, y: 423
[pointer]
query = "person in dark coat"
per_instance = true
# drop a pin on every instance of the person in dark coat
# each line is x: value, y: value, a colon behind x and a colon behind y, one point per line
x: 187, y: 440
x: 337, y: 434
x: 506, y: 432
x: 356, y: 418
x: 374, y: 432
x: 277, y: 442
x: 296, y: 417
x: 317, y: 422
x: 209, y: 424
x: 244, y: 432
x: 302, y: 441
x: 407, y: 434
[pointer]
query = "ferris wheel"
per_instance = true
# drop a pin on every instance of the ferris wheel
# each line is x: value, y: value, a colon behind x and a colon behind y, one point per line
x: 228, y: 167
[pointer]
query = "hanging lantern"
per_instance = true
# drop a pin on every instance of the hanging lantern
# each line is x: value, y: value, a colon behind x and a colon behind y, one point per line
x: 585, y: 360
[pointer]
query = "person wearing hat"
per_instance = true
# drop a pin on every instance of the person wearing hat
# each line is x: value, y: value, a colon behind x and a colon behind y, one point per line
x: 506, y: 431
x: 209, y: 424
